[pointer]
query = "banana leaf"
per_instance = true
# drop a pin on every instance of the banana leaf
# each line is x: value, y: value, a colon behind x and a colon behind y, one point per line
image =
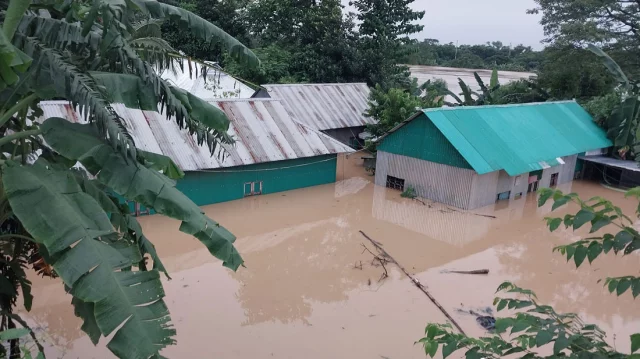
x: 611, y: 65
x: 138, y: 183
x: 624, y: 122
x: 77, y: 232
x: 494, y: 82
x: 466, y: 92
x: 200, y: 28
x: 13, y: 15
x: 162, y: 164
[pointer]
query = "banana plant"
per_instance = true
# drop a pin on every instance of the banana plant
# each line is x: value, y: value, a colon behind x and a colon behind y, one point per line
x: 69, y: 222
x: 624, y: 122
x: 473, y: 98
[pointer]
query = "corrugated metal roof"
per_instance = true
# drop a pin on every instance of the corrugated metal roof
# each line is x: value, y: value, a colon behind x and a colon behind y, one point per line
x: 324, y: 106
x: 218, y: 84
x: 613, y: 162
x: 517, y: 138
x: 450, y: 75
x: 263, y: 130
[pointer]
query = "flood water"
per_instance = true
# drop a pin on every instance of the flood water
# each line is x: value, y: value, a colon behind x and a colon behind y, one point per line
x: 309, y: 290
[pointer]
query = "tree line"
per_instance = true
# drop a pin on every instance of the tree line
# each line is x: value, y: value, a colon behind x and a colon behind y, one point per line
x: 308, y: 40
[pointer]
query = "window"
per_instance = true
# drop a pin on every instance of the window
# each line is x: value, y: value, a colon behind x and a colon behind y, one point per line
x: 517, y: 181
x: 395, y: 183
x: 503, y: 195
x: 554, y: 180
x: 257, y: 187
x: 252, y: 188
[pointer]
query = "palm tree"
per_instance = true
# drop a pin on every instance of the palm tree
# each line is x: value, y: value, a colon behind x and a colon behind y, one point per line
x: 94, y: 53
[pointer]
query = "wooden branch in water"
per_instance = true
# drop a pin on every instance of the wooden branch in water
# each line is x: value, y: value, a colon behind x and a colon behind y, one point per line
x: 477, y: 271
x: 381, y: 260
x: 415, y: 281
x: 475, y: 214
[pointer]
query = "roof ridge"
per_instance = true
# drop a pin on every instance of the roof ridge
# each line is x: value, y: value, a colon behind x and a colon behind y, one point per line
x: 322, y: 134
x: 316, y: 84
x: 436, y: 109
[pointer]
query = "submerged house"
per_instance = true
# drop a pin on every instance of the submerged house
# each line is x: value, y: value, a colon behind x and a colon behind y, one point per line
x: 611, y: 171
x: 470, y: 157
x: 335, y: 109
x: 272, y: 152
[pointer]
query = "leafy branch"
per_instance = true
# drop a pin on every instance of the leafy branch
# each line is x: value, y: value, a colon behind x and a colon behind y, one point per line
x: 536, y: 325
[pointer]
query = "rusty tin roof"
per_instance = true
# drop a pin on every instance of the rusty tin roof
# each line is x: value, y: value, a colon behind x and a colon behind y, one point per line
x: 262, y: 128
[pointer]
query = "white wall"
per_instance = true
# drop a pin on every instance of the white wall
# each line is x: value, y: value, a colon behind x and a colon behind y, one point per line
x: 460, y: 187
x: 434, y: 181
x: 484, y: 189
x: 565, y: 172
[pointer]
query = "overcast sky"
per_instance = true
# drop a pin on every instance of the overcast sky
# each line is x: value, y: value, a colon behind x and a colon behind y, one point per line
x: 479, y: 21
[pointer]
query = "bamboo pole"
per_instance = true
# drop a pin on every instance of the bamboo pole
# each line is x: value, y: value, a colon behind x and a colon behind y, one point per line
x: 415, y: 282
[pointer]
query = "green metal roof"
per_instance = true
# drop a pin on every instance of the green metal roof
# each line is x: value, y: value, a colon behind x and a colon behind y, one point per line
x: 518, y: 138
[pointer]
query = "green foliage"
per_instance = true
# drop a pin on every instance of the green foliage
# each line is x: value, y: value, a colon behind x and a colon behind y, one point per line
x: 601, y: 107
x: 276, y: 66
x: 612, y: 22
x: 521, y: 91
x: 536, y: 325
x: 410, y: 192
x: 384, y: 27
x: 311, y: 41
x: 487, y: 56
x: 393, y: 106
x: 302, y: 41
x: 572, y: 72
x: 623, y: 125
x: 52, y: 216
x: 471, y: 97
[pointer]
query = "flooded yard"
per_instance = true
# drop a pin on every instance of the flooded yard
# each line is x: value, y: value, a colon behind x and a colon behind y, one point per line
x: 309, y: 289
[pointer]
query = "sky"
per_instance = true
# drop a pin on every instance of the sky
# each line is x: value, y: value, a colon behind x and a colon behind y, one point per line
x: 478, y: 21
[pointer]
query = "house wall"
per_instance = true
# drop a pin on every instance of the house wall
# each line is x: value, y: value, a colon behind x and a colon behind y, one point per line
x: 228, y: 183
x: 344, y: 135
x: 460, y: 187
x: 434, y: 181
x: 486, y: 187
x: 421, y: 139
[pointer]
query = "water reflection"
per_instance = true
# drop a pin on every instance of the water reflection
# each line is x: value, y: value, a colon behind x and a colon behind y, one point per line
x: 445, y: 223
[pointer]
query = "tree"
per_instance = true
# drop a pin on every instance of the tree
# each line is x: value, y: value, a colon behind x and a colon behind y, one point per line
x: 471, y: 97
x: 623, y: 123
x: 67, y: 221
x: 384, y: 28
x: 490, y: 56
x: 228, y: 15
x: 391, y: 107
x: 614, y: 24
x: 537, y: 325
x: 276, y: 66
x: 571, y: 72
x: 302, y: 41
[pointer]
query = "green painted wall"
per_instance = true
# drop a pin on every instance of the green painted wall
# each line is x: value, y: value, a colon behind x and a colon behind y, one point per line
x: 212, y: 187
x: 421, y: 139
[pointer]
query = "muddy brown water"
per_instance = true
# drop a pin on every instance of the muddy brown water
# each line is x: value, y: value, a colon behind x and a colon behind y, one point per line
x: 309, y: 291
